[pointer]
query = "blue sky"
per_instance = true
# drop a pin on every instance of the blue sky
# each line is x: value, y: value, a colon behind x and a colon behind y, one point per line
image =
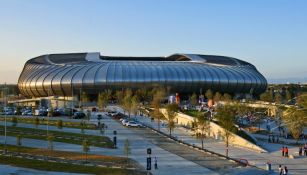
x: 271, y: 34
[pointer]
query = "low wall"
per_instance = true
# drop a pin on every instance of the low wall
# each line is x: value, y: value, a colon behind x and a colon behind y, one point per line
x: 216, y: 132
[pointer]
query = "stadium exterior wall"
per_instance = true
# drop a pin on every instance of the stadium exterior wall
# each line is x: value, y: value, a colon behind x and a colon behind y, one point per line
x: 63, y: 74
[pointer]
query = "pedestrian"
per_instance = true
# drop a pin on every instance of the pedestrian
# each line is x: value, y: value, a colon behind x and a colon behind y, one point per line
x: 283, y: 151
x: 300, y: 151
x: 280, y: 170
x: 156, y: 163
x: 285, y: 171
x: 305, y: 150
x: 286, y: 152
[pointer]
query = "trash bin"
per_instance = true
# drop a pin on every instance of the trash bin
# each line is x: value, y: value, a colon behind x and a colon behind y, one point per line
x: 268, y: 166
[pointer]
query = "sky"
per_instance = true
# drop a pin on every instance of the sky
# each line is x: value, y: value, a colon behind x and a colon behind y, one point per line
x: 271, y: 34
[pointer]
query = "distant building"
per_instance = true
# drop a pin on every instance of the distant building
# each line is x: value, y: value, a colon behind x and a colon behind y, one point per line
x: 65, y: 74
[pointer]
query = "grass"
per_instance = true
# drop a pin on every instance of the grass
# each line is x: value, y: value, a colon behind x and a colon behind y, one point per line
x: 66, y: 137
x: 62, y: 167
x: 31, y: 120
x: 118, y: 161
x: 192, y: 113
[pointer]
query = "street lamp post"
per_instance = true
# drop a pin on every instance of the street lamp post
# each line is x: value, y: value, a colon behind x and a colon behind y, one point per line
x: 5, y: 124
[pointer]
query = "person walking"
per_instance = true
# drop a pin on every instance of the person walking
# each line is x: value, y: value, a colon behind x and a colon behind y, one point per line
x: 283, y: 151
x: 280, y: 170
x: 286, y: 152
x: 300, y: 151
x: 305, y: 150
x: 285, y: 171
x: 156, y: 163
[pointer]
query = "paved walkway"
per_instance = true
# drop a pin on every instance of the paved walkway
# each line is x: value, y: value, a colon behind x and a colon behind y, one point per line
x: 168, y: 162
x: 295, y: 166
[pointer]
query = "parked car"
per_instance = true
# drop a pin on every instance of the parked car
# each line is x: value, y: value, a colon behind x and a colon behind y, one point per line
x: 133, y: 124
x: 27, y: 113
x: 79, y: 115
x: 124, y: 121
x: 119, y: 116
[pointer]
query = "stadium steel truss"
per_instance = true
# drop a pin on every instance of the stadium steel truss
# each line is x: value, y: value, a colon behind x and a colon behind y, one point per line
x: 61, y: 74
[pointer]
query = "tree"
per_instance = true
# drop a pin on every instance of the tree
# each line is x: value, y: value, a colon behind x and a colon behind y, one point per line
x: 241, y: 109
x: 159, y: 95
x: 82, y: 126
x: 171, y: 111
x: 202, y: 127
x: 141, y: 94
x: 59, y: 124
x: 14, y: 121
x: 193, y: 99
x: 227, y: 97
x: 288, y: 95
x: 209, y: 94
x: 119, y: 96
x: 302, y: 101
x: 266, y: 97
x: 84, y: 98
x: 50, y: 139
x: 294, y: 119
x: 278, y: 98
x: 217, y: 97
x: 18, y: 140
x: 85, y: 148
x: 127, y: 149
x: 18, y: 110
x: 36, y: 122
x: 126, y: 103
x: 88, y: 115
x: 226, y: 119
x: 102, y: 100
x: 134, y: 104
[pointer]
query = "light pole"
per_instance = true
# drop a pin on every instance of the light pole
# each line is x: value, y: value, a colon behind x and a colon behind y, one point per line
x: 5, y: 106
x: 49, y: 112
x: 72, y: 100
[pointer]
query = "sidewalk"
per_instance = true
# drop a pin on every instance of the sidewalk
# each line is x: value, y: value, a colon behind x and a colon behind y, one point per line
x: 295, y: 166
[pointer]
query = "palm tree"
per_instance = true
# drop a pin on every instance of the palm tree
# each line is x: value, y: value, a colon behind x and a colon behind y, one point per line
x: 171, y: 110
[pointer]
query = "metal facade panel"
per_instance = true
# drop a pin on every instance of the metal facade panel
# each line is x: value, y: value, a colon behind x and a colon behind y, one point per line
x: 46, y: 78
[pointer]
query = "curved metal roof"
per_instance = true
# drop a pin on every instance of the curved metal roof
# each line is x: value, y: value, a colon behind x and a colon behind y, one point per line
x: 58, y: 74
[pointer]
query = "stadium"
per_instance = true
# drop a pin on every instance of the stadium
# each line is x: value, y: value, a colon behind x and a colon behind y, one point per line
x: 64, y: 74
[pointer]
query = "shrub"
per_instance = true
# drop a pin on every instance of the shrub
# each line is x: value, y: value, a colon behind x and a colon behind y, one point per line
x: 59, y: 124
x: 14, y: 121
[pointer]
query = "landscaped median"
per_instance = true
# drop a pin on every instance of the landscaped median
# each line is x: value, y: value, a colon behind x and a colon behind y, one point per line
x: 62, y: 161
x: 44, y: 121
x: 66, y: 137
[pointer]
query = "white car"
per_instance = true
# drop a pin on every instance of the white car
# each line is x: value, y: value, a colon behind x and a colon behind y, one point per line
x: 124, y: 121
x: 133, y: 124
